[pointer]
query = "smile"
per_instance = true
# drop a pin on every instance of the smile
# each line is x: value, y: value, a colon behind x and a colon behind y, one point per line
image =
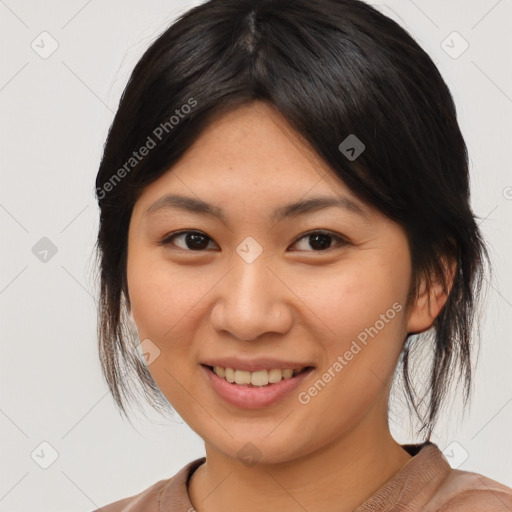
x: 236, y: 387
x: 258, y: 378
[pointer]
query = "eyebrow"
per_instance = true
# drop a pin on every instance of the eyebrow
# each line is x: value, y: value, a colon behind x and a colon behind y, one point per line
x: 301, y: 207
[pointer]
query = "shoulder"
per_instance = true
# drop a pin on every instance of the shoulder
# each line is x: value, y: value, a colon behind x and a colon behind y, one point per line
x: 144, y: 500
x: 169, y: 494
x: 464, y: 491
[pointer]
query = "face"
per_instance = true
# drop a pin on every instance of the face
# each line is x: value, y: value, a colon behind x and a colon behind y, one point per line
x: 251, y: 284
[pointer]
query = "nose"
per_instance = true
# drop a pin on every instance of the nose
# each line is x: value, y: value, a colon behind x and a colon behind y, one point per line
x: 251, y: 301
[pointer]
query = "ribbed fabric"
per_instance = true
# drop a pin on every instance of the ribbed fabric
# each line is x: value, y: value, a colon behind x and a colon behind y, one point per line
x: 426, y: 483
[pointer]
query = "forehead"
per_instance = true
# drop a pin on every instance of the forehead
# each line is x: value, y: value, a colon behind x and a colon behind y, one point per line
x: 252, y: 154
x: 252, y: 136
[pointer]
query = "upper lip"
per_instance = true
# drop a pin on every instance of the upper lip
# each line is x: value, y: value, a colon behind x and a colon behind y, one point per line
x: 254, y: 365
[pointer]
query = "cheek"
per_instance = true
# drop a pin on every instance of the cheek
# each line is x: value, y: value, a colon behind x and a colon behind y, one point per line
x: 167, y: 300
x: 349, y: 299
x: 159, y: 297
x: 360, y: 319
x: 163, y: 302
x: 159, y: 301
x: 360, y: 324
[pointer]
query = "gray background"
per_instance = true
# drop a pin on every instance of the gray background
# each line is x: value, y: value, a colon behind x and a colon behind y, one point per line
x: 55, y: 115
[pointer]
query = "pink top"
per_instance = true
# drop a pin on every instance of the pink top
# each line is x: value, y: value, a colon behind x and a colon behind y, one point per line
x: 425, y: 483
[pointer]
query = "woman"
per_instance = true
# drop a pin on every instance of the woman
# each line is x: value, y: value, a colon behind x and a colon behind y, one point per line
x: 285, y: 215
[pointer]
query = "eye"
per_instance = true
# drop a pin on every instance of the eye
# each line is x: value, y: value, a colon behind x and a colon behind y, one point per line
x: 321, y: 240
x: 197, y: 241
x: 192, y: 240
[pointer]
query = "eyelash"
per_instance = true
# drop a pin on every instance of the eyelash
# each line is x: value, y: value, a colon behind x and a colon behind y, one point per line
x: 342, y: 241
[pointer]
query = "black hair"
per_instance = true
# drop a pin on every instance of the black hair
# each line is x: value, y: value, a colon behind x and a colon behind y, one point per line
x: 332, y: 68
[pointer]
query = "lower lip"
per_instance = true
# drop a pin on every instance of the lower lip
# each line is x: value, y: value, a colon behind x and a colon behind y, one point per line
x: 254, y: 397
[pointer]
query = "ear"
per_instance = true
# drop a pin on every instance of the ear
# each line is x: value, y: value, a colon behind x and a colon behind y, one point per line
x: 430, y: 300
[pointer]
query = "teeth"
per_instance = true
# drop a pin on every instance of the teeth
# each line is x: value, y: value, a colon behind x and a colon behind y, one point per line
x: 229, y: 374
x: 275, y: 375
x: 242, y: 377
x: 258, y: 378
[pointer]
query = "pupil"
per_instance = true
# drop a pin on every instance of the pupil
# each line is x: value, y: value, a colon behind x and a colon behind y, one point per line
x: 324, y: 242
x: 196, y: 240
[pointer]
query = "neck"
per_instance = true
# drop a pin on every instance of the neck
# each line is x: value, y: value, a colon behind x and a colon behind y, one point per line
x: 338, y: 477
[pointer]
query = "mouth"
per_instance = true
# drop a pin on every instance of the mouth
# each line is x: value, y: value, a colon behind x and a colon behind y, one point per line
x: 256, y: 379
x: 254, y: 390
